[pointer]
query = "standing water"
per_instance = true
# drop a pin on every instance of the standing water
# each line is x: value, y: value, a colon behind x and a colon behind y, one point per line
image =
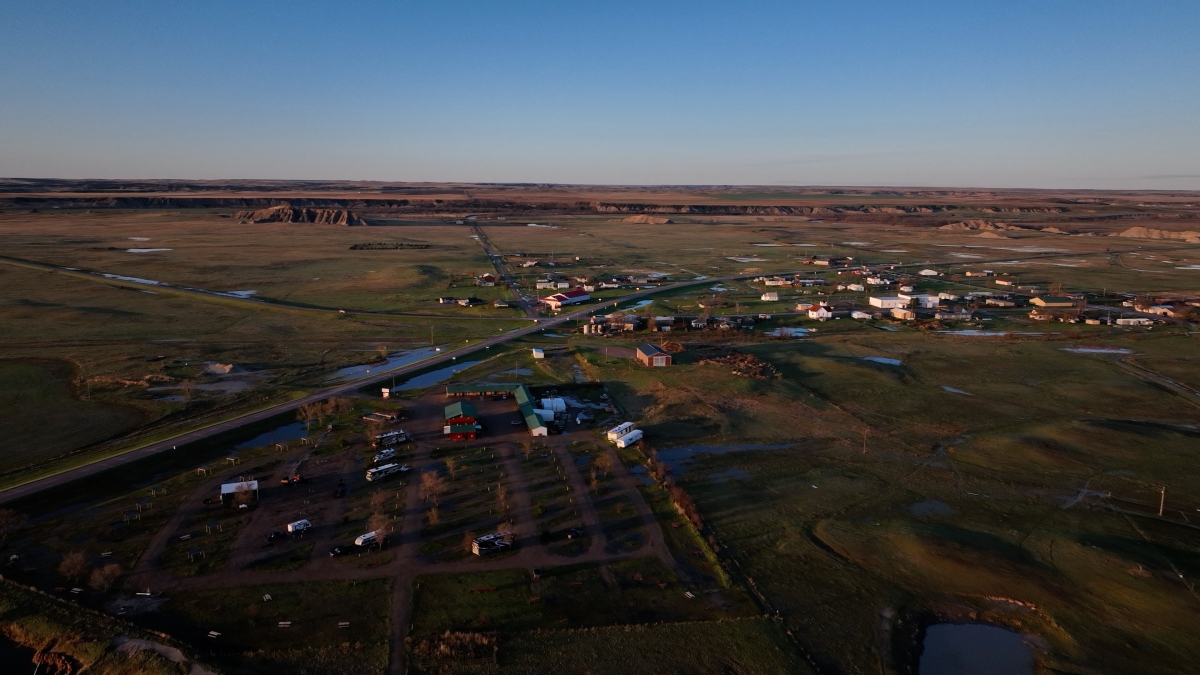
x: 974, y: 649
x: 393, y: 362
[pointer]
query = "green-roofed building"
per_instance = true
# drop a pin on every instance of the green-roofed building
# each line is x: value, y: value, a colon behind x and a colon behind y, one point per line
x: 519, y: 392
x: 461, y: 410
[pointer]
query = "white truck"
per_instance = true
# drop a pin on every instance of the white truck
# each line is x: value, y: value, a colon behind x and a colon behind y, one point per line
x: 298, y: 526
x: 629, y: 438
x: 381, y: 472
x: 619, y: 431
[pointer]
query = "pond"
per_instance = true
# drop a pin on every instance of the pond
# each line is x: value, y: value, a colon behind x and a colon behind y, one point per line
x: 14, y: 654
x: 974, y: 649
x: 434, y: 376
x: 287, y: 432
x: 677, y: 457
x: 393, y: 362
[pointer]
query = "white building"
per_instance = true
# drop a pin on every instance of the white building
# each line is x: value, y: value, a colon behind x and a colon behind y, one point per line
x: 859, y: 314
x: 769, y: 297
x: 888, y: 301
x: 856, y: 287
x: 922, y: 300
x: 928, y: 273
x: 947, y: 296
x: 821, y: 313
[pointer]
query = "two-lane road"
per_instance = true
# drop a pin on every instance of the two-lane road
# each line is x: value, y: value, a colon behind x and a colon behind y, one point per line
x: 446, y: 357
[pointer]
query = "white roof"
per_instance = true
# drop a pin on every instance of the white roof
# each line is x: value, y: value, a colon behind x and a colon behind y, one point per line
x: 227, y: 488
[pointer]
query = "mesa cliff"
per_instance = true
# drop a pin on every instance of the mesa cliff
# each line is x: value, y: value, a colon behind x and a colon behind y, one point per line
x: 286, y: 213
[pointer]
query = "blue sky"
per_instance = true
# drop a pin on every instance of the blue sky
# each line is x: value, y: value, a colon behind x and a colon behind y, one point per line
x: 1101, y: 94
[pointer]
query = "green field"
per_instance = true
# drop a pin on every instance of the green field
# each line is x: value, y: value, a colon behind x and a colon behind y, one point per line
x: 44, y: 416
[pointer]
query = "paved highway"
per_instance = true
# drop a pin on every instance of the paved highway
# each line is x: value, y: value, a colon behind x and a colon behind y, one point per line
x: 446, y: 357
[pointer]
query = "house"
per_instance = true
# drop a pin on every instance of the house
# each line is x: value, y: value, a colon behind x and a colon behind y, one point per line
x: 1052, y: 301
x: 922, y: 300
x: 486, y: 280
x: 947, y: 296
x: 652, y: 356
x: 663, y: 323
x: 906, y: 289
x: 1004, y: 282
x: 808, y: 282
x: 856, y: 287
x: 981, y: 273
x: 824, y: 312
x: 778, y: 281
x: 1000, y: 302
x: 769, y: 297
x: 888, y: 301
x: 803, y: 306
x: 903, y: 314
x: 700, y: 323
x: 560, y: 300
x: 545, y: 285
x: 1135, y: 321
x: 859, y: 314
x: 928, y: 273
x: 562, y: 284
x: 880, y: 281
x: 538, y: 353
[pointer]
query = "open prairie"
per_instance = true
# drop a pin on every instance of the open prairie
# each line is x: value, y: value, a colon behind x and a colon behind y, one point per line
x: 809, y: 495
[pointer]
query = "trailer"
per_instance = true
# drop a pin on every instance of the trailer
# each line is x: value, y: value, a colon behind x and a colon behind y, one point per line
x: 629, y: 438
x: 298, y: 526
x: 381, y: 472
x: 620, y: 430
x: 390, y: 438
x: 384, y: 455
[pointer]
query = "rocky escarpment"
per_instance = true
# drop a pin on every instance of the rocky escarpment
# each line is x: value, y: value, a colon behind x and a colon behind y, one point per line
x: 286, y: 213
x: 1189, y: 236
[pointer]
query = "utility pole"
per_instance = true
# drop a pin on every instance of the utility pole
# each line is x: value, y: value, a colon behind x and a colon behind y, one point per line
x: 1162, y: 500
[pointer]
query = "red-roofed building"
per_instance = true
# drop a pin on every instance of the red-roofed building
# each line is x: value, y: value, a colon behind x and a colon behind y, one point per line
x: 560, y: 300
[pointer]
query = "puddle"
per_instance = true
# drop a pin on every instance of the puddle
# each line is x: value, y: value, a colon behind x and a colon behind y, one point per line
x: 1098, y: 350
x: 515, y: 371
x: 136, y: 280
x: 435, y: 376
x: 139, y: 239
x: 893, y: 250
x: 931, y: 507
x: 240, y: 294
x: 974, y: 649
x: 856, y: 243
x: 146, y: 250
x: 1188, y: 267
x: 639, y: 304
x: 804, y: 245
x: 677, y: 457
x: 393, y: 362
x: 883, y: 360
x: 13, y: 654
x: 788, y: 332
x: 287, y: 432
x: 639, y: 472
x: 771, y: 245
x: 952, y: 390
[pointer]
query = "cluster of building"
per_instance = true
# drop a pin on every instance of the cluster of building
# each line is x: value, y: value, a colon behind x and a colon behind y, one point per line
x: 462, y: 418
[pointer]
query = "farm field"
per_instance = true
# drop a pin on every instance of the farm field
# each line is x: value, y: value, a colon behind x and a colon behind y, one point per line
x: 808, y: 495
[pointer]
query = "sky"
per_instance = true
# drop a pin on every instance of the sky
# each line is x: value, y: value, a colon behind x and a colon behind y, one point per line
x: 1046, y: 94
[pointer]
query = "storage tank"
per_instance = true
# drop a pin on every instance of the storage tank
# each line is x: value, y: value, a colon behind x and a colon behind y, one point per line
x: 554, y: 404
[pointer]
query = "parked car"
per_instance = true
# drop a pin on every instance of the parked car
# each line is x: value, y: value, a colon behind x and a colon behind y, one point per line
x: 338, y: 551
x: 276, y: 536
x: 574, y: 533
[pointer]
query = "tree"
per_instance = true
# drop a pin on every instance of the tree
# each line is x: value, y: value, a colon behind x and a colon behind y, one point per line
x: 451, y: 466
x: 432, y: 486
x: 432, y: 515
x: 383, y: 352
x: 378, y: 500
x: 10, y: 521
x: 502, y: 496
x: 103, y: 577
x: 604, y: 463
x: 377, y: 523
x: 527, y: 449
x: 307, y: 413
x: 468, y: 541
x: 242, y: 494
x: 593, y: 479
x: 373, y: 429
x: 73, y: 566
x: 506, y: 530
